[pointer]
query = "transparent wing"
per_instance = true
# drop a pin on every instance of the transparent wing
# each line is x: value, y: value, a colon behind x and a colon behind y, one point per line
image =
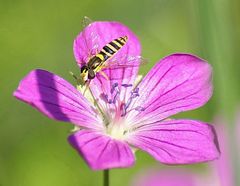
x: 86, y: 21
x: 122, y: 67
x: 90, y: 36
x: 125, y: 61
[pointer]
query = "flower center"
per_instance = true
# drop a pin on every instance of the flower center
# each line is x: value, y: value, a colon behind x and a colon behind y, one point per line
x: 117, y: 130
x: 124, y: 106
x: 116, y: 124
x: 117, y: 127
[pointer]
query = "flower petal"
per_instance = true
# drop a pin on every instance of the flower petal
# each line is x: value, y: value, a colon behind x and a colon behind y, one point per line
x: 99, y: 34
x: 57, y: 99
x: 177, y: 141
x: 179, y: 82
x: 223, y: 167
x: 101, y: 152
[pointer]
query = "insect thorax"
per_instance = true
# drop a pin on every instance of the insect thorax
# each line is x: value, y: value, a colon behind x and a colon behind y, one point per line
x: 94, y: 63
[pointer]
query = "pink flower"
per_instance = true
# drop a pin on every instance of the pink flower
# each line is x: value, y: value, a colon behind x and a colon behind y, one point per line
x: 220, y: 172
x: 222, y: 168
x: 122, y: 117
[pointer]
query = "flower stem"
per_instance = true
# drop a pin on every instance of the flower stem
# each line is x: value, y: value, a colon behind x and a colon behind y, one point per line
x: 106, y: 177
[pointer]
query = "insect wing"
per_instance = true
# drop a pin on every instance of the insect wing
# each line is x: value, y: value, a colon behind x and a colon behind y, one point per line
x: 122, y: 68
x: 90, y: 36
x: 86, y: 22
x: 125, y: 62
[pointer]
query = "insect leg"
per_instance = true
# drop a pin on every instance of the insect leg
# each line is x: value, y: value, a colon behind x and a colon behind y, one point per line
x: 73, y: 75
x: 86, y: 86
x: 104, y: 75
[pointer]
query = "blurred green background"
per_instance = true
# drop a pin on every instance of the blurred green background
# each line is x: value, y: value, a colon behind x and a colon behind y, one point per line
x: 39, y: 34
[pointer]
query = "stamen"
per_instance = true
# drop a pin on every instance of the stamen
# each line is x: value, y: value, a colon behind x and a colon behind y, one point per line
x: 116, y: 95
x: 123, y: 109
x: 104, y: 97
x: 114, y: 87
x: 125, y: 106
x: 139, y: 108
x: 127, y: 85
x: 135, y: 91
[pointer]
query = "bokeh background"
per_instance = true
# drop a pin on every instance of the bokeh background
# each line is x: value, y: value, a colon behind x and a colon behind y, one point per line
x: 39, y: 34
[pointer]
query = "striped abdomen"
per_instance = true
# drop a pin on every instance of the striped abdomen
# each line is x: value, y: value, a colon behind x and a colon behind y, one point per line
x: 111, y: 48
x: 95, y: 64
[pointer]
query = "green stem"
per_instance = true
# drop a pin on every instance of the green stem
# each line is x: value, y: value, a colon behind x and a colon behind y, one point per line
x: 106, y: 177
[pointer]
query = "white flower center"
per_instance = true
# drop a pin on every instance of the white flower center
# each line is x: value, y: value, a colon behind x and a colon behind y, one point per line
x: 117, y: 130
x: 114, y: 120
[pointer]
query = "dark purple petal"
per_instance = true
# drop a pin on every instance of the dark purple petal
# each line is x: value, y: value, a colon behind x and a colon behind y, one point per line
x: 101, y: 152
x: 177, y: 141
x: 57, y: 99
x: 99, y: 34
x: 179, y: 82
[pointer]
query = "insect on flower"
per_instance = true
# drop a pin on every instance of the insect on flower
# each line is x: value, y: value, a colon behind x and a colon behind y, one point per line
x: 98, y: 60
x: 122, y: 115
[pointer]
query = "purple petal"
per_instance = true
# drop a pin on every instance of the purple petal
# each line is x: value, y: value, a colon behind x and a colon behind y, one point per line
x: 57, y: 99
x: 101, y: 152
x: 179, y: 82
x: 105, y: 32
x: 223, y: 166
x: 177, y: 141
x: 237, y: 130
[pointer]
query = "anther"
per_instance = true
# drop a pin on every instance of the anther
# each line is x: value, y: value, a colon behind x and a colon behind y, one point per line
x: 127, y: 85
x: 104, y: 97
x: 139, y: 108
x: 115, y: 96
x: 134, y: 94
x: 114, y: 87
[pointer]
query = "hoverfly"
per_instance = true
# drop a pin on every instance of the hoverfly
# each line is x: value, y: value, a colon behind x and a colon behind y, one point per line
x: 104, y: 59
x: 98, y: 61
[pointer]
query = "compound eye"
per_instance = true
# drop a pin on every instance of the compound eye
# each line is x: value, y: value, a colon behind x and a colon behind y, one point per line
x: 91, y: 74
x: 83, y: 69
